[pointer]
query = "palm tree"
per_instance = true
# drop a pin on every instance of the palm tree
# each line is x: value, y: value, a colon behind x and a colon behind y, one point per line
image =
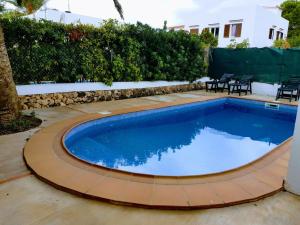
x: 119, y: 8
x: 9, y: 104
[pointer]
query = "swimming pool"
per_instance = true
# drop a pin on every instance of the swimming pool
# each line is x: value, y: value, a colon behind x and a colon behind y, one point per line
x: 191, y: 139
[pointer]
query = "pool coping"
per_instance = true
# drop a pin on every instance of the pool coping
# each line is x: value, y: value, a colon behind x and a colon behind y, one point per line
x: 46, y: 156
x: 150, y: 175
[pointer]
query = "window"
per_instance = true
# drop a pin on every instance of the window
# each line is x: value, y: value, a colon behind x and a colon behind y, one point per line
x: 234, y: 30
x: 226, y: 30
x: 215, y: 31
x: 271, y: 34
x: 279, y: 35
x: 194, y: 31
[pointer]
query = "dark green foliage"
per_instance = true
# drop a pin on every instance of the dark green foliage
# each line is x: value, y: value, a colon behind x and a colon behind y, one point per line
x: 234, y: 45
x: 1, y: 7
x: 114, y: 52
x: 295, y: 41
x: 281, y: 43
x: 291, y: 12
x: 208, y: 39
x: 20, y: 124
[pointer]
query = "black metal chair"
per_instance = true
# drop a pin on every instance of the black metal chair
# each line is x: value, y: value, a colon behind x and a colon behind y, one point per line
x: 289, y: 89
x: 219, y: 84
x: 241, y: 85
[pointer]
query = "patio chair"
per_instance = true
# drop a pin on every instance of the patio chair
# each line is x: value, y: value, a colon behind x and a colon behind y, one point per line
x: 289, y: 89
x: 241, y: 85
x: 219, y: 84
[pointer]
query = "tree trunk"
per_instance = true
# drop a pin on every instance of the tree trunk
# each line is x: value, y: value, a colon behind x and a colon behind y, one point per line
x: 9, y: 103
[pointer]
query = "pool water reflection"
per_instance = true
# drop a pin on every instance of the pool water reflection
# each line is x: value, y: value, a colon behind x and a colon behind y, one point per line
x: 193, y: 139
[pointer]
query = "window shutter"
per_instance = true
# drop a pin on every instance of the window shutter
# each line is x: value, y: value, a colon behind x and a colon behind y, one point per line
x: 271, y: 33
x: 238, y: 30
x: 194, y: 31
x: 226, y: 30
x: 277, y: 35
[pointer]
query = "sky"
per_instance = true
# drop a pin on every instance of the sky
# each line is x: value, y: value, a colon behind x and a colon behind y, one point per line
x: 153, y: 12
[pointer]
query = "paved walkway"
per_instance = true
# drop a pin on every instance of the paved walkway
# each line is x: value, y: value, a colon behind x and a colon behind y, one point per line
x: 26, y: 200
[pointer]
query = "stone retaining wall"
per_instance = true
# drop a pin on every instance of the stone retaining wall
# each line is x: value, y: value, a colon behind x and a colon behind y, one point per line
x: 62, y: 99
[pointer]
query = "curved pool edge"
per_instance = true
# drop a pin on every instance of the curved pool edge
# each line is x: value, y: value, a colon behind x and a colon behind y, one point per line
x: 150, y: 175
x: 45, y: 156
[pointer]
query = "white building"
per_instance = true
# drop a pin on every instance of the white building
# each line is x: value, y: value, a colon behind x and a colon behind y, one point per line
x: 67, y: 17
x: 261, y: 25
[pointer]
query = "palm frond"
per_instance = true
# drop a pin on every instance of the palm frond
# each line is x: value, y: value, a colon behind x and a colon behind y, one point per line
x: 119, y: 8
x: 30, y: 6
x: 16, y: 3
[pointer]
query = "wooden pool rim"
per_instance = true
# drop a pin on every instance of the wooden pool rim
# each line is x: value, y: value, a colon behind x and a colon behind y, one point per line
x: 46, y: 156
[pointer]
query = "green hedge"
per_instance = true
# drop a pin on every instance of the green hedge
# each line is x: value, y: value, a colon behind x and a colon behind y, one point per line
x: 114, y: 52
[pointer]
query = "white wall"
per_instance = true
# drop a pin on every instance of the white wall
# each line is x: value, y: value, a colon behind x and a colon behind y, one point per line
x: 265, y: 89
x: 257, y: 20
x: 292, y: 183
x: 63, y: 17
x: 264, y: 20
x: 235, y: 13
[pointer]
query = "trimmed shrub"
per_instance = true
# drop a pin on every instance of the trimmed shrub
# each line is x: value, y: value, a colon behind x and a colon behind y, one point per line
x: 281, y: 43
x: 45, y: 50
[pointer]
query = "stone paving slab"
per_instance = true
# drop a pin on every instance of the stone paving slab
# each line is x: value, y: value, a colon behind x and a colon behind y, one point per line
x: 29, y: 201
x: 26, y: 200
x: 111, y: 105
x: 11, y: 156
x: 45, y: 155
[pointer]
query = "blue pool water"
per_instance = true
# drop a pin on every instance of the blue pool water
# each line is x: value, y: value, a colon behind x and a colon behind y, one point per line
x: 192, y: 139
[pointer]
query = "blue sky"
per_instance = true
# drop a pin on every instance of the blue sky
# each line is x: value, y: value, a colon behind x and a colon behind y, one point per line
x: 153, y: 12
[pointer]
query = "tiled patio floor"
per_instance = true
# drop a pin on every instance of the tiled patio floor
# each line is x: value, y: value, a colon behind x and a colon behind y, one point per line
x: 46, y: 156
x: 26, y: 200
